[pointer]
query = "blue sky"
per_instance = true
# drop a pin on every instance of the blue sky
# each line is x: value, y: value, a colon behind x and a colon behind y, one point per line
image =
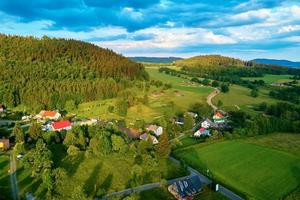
x: 245, y: 29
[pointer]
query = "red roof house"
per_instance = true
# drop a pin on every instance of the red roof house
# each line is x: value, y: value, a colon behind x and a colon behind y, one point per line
x: 61, y: 125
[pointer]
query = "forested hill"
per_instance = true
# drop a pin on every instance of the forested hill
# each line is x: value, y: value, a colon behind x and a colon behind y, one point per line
x: 46, y: 73
x: 284, y: 63
x: 209, y: 61
x: 155, y: 59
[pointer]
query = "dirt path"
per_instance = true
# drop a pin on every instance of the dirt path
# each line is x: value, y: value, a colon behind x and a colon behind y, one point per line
x: 13, y: 177
x: 210, y: 97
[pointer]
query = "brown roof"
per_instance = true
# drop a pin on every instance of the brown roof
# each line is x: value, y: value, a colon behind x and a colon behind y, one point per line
x: 132, y: 133
x: 4, y: 143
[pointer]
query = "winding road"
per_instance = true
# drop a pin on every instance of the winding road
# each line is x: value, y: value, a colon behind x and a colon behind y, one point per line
x: 210, y: 97
x: 13, y: 177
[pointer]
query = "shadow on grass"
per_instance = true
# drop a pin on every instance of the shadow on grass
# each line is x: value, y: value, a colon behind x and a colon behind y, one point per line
x: 92, y: 183
x: 71, y: 163
x: 107, y: 182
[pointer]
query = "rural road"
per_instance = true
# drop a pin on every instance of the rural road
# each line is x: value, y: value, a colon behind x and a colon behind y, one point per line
x: 210, y: 97
x: 13, y: 177
x: 150, y: 186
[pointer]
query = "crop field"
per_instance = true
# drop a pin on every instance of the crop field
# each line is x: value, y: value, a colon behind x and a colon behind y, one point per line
x: 258, y: 170
x: 270, y: 78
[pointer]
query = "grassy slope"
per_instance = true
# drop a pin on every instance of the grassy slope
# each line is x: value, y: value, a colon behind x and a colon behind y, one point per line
x: 4, y: 176
x: 240, y: 96
x: 256, y: 171
x: 270, y: 78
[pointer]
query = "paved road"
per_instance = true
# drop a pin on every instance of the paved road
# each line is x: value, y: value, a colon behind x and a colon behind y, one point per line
x: 210, y: 97
x: 13, y: 177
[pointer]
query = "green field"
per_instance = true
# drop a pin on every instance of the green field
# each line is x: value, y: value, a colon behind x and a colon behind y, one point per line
x: 239, y: 97
x: 270, y: 78
x: 257, y: 171
x: 4, y: 176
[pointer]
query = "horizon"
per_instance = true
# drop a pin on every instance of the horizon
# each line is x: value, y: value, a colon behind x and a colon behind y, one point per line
x: 246, y: 29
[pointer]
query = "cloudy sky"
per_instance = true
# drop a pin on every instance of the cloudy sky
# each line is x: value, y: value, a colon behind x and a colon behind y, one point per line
x: 241, y: 28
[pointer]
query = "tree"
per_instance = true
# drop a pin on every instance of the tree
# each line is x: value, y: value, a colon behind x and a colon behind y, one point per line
x: 254, y: 93
x: 18, y: 133
x: 201, y: 109
x: 70, y: 139
x: 188, y: 122
x: 60, y: 180
x: 224, y: 88
x: 118, y: 143
x: 35, y: 131
x: 72, y: 150
x: 163, y: 148
x: 78, y: 193
x: 215, y: 83
x: 38, y: 159
x: 122, y: 106
x: 205, y: 81
x: 70, y: 105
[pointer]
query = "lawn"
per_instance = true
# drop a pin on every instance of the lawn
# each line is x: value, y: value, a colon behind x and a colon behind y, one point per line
x: 239, y: 97
x: 270, y: 78
x: 256, y: 171
x: 4, y: 177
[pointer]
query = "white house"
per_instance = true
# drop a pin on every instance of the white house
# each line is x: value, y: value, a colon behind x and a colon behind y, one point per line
x: 157, y: 130
x: 47, y: 114
x: 147, y: 136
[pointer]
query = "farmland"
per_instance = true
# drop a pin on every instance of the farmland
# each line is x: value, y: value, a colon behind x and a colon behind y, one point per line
x: 271, y: 78
x: 248, y: 167
x: 4, y: 176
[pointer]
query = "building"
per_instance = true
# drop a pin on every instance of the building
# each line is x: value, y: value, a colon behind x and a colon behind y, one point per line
x: 219, y: 117
x: 192, y: 114
x: 47, y: 114
x: 2, y: 108
x: 88, y: 122
x: 157, y: 130
x: 61, y: 125
x: 147, y: 136
x: 4, y: 144
x: 186, y: 189
x: 202, y: 132
x: 131, y: 133
x: 179, y: 120
x: 207, y: 123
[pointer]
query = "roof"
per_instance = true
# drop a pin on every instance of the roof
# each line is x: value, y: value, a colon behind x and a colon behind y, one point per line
x: 144, y: 136
x: 189, y: 186
x: 218, y: 115
x: 132, y: 133
x: 202, y: 129
x: 61, y: 124
x: 48, y: 113
x: 152, y: 127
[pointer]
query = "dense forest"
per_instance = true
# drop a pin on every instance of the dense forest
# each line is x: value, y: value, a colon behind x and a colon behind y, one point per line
x: 221, y: 67
x: 47, y: 72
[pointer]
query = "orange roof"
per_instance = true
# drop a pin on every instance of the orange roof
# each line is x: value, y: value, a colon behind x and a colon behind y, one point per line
x: 218, y: 114
x: 48, y: 113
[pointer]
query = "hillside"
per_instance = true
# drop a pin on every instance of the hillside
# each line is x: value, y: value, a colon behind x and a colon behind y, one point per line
x: 209, y: 61
x: 48, y: 72
x: 284, y: 63
x: 155, y: 59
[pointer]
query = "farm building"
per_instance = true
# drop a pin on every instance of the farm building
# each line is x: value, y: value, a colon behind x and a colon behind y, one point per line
x: 131, y: 133
x: 147, y: 136
x: 186, y: 189
x: 202, y: 132
x: 4, y: 144
x: 157, y: 130
x: 2, y: 108
x: 47, y: 114
x: 207, y: 123
x: 219, y: 117
x: 61, y: 125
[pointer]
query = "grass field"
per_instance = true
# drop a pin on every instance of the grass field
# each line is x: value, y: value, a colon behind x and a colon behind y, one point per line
x: 4, y: 177
x: 239, y: 96
x: 258, y: 171
x: 270, y: 78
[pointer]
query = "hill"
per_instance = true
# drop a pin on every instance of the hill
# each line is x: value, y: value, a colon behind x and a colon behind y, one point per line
x: 284, y: 63
x: 48, y: 72
x: 155, y: 59
x: 209, y: 61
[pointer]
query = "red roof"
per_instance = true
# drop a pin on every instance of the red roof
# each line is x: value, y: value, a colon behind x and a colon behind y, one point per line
x: 218, y: 114
x: 61, y: 124
x: 48, y: 113
x: 202, y: 129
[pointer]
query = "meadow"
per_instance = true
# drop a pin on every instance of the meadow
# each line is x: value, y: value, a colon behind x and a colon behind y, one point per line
x: 271, y: 78
x: 4, y: 176
x: 255, y: 169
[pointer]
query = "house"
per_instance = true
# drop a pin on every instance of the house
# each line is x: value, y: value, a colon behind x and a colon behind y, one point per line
x: 4, y: 144
x: 157, y: 130
x: 27, y: 118
x: 186, y: 189
x: 61, y: 125
x: 131, y: 133
x: 48, y: 114
x: 207, y: 123
x: 147, y: 136
x: 219, y: 117
x: 202, y: 132
x: 2, y: 108
x: 88, y: 122
x: 179, y: 120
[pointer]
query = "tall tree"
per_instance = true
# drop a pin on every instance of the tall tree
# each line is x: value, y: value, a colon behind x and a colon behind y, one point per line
x: 35, y: 131
x: 188, y: 122
x: 163, y: 148
x: 18, y: 133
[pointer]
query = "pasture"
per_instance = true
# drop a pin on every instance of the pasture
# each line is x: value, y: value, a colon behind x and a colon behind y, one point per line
x: 255, y: 170
x: 4, y: 176
x: 271, y: 78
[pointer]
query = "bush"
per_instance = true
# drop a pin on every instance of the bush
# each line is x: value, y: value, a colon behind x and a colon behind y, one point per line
x: 228, y: 136
x: 72, y: 150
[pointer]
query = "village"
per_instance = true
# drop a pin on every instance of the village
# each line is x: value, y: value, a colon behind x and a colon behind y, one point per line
x: 52, y: 120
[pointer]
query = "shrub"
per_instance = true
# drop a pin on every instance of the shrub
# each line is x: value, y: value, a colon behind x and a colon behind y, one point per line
x: 72, y: 150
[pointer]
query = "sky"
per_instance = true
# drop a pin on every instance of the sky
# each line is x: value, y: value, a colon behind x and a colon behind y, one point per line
x: 245, y: 29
